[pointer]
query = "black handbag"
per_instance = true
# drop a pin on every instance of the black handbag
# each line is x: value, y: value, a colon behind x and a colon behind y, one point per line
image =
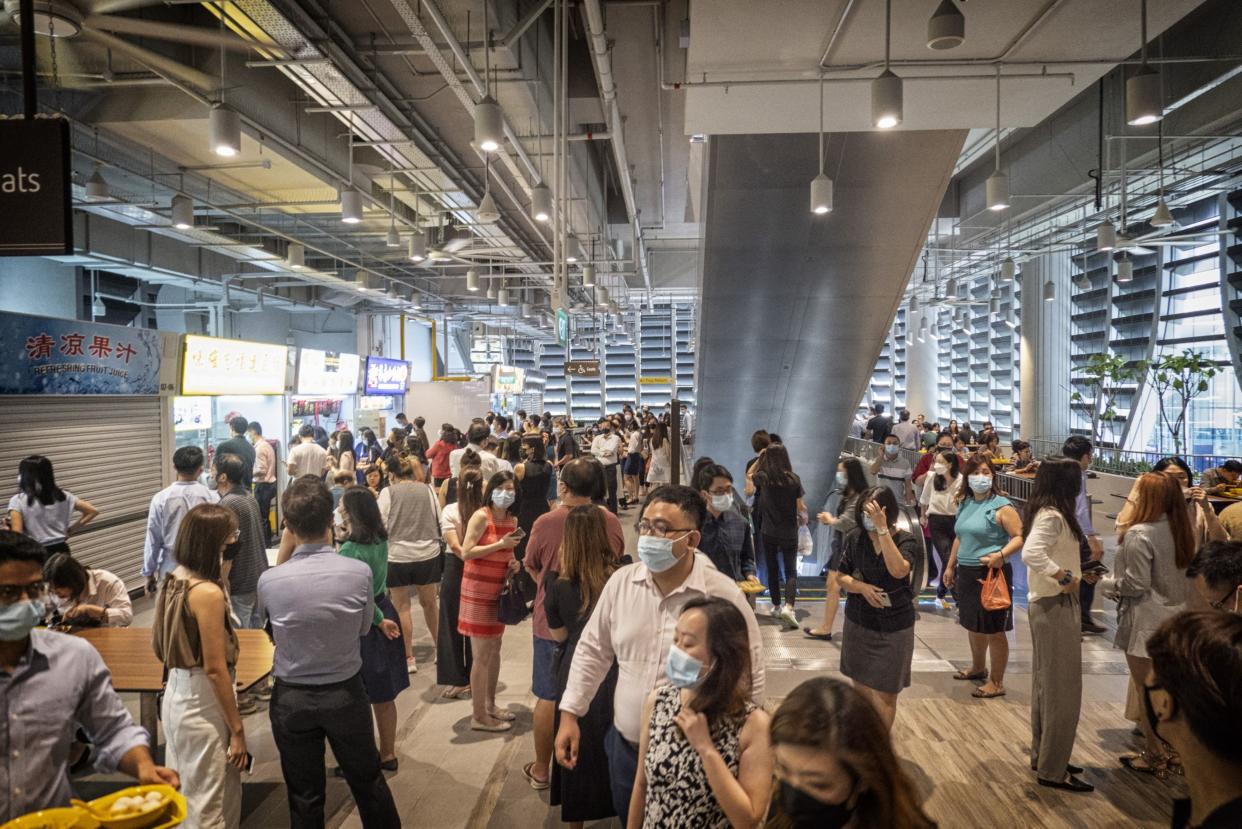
x: 517, y: 598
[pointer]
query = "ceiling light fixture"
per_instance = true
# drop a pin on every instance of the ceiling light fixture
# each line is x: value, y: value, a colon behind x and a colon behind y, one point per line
x: 488, y: 124
x: 821, y: 185
x: 1125, y: 269
x: 182, y: 212
x: 1050, y: 291
x: 886, y: 92
x: 98, y: 309
x: 946, y: 29
x: 997, y: 186
x: 487, y: 212
x: 491, y: 289
x: 295, y: 255
x: 351, y: 206
x: 96, y: 186
x: 472, y: 280
x: 573, y: 250
x: 393, y: 239
x: 1143, y: 105
x: 417, y: 247
x: 1105, y: 236
x: 1162, y: 217
x: 994, y: 305
x: 224, y: 127
x: 502, y: 297
x: 541, y: 203
x: 1007, y: 269
x: 526, y: 310
x: 588, y: 276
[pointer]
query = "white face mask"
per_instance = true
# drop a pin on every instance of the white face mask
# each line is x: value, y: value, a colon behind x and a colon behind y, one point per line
x: 720, y: 503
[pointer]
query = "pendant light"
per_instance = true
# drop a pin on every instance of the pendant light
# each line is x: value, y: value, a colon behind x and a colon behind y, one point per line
x: 588, y: 276
x: 182, y: 212
x: 491, y: 288
x: 997, y: 186
x: 488, y: 119
x: 98, y: 309
x: 487, y: 212
x: 573, y: 250
x: 1007, y: 269
x: 295, y: 255
x: 417, y: 249
x: 821, y: 185
x: 224, y: 129
x: 1143, y: 104
x: 393, y: 239
x: 1125, y: 269
x: 541, y: 203
x: 526, y: 310
x: 994, y: 305
x: 472, y: 280
x: 502, y: 296
x: 96, y: 186
x: 946, y: 29
x: 1105, y: 236
x: 1162, y: 217
x: 950, y: 290
x: 601, y: 295
x: 351, y: 206
x: 1050, y: 291
x: 886, y: 91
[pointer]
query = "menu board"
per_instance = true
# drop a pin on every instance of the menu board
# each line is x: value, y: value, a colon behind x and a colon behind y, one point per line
x: 387, y: 376
x: 327, y: 372
x: 219, y: 366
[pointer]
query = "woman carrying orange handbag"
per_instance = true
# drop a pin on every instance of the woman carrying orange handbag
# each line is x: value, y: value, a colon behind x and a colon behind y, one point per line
x: 989, y: 531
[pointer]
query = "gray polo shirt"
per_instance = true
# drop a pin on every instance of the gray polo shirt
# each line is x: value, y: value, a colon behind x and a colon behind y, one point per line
x: 320, y: 603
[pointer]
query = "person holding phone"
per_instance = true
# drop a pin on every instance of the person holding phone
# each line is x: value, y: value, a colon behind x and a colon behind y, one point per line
x: 491, y: 535
x: 877, y: 559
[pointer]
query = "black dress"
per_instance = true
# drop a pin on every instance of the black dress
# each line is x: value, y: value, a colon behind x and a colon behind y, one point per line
x: 583, y: 793
x: 532, y: 499
x: 453, y: 655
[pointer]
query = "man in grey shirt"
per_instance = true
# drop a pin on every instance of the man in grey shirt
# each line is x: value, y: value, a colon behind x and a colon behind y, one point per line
x: 319, y: 604
x: 246, y: 557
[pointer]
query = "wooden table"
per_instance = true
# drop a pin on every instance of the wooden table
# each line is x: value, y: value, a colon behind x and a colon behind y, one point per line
x: 128, y: 654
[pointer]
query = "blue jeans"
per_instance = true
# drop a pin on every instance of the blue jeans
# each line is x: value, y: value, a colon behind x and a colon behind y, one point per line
x: 246, y: 608
x: 622, y: 769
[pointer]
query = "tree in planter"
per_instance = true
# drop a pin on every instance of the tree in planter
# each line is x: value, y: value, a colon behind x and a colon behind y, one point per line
x: 1177, y: 379
x: 1104, y: 375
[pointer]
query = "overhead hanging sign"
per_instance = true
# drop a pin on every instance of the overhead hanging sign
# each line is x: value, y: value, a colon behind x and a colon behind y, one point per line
x: 562, y: 327
x: 327, y: 372
x: 219, y: 366
x: 508, y: 380
x: 387, y: 376
x: 54, y: 356
x: 582, y: 368
x: 654, y: 381
x: 35, y: 199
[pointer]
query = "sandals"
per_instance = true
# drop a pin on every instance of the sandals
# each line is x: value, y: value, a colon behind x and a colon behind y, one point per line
x: 475, y: 725
x: 1145, y: 763
x: 535, y: 783
x: 456, y: 693
x: 966, y: 675
x: 979, y: 693
x: 811, y: 634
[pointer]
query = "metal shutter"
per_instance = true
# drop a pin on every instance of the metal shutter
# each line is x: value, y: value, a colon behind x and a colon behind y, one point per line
x: 106, y: 450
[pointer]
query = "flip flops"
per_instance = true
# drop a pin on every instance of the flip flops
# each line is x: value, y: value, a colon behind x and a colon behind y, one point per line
x: 966, y: 675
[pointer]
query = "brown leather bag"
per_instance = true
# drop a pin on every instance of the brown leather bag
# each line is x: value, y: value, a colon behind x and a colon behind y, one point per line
x: 995, y: 593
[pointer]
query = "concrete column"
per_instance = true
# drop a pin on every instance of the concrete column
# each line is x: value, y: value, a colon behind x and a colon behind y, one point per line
x: 1045, y: 355
x: 922, y: 369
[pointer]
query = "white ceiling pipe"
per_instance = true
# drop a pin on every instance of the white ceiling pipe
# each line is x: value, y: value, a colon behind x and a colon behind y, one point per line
x: 601, y: 57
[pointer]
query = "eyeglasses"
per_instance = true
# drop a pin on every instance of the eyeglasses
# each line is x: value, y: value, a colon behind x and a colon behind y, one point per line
x: 1234, y: 594
x: 720, y: 491
x: 12, y: 593
x: 660, y: 529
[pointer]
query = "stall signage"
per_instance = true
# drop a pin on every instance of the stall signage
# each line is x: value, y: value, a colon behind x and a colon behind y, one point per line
x: 508, y: 380
x: 55, y: 356
x: 582, y: 368
x: 327, y: 372
x: 562, y: 327
x: 219, y: 366
x: 35, y: 200
x: 191, y: 414
x: 375, y: 403
x: 387, y: 376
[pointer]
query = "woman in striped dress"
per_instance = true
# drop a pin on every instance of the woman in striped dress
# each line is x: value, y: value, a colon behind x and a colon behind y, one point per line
x: 488, y: 553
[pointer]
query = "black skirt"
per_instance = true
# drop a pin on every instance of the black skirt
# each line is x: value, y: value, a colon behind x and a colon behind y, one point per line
x: 968, y: 589
x: 453, y: 657
x: 384, y: 674
x: 585, y: 792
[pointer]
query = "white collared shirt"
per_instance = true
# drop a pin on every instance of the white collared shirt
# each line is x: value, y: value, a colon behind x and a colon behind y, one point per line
x: 635, y: 623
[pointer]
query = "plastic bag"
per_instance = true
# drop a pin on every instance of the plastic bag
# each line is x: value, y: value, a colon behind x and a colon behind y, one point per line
x: 805, y: 544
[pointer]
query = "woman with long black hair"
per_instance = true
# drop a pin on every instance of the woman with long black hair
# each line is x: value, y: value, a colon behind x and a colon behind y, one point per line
x: 535, y: 481
x: 44, y: 511
x: 780, y: 502
x: 851, y: 483
x: 454, y: 658
x: 939, y: 512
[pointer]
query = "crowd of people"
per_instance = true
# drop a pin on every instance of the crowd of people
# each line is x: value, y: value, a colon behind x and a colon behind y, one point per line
x: 648, y: 669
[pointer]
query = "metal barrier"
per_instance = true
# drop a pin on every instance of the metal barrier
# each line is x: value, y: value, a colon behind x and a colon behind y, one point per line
x: 1126, y: 462
x: 1016, y: 488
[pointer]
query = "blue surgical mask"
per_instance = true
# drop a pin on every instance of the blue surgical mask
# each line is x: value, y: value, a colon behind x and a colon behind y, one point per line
x: 980, y: 483
x: 868, y: 524
x: 656, y: 553
x: 682, y: 669
x: 503, y: 498
x: 842, y: 479
x: 890, y: 449
x: 19, y: 618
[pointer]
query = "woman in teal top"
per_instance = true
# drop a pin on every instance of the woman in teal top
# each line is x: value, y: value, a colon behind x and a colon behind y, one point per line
x: 989, y: 531
x: 383, y: 651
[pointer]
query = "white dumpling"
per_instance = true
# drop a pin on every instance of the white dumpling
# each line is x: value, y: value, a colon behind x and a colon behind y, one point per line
x: 154, y: 797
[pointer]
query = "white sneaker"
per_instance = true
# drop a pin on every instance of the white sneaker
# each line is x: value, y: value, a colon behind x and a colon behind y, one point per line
x: 786, y: 615
x: 410, y: 666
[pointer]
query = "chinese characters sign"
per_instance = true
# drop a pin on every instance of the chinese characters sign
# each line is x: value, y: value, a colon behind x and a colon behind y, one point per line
x: 327, y: 372
x: 387, y: 376
x: 54, y: 356
x: 218, y: 366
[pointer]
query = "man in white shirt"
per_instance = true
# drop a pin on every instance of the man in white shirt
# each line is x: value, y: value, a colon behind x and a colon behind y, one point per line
x: 634, y: 622
x: 475, y: 435
x: 264, y: 476
x: 606, y: 447
x: 907, y: 433
x: 308, y: 457
x: 168, y: 507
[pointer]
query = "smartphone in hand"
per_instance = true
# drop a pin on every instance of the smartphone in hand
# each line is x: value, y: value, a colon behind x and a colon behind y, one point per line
x: 885, y: 601
x: 519, y: 534
x: 1094, y: 567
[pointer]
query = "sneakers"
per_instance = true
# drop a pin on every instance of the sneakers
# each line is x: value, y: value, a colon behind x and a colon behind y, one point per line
x: 410, y: 666
x: 1092, y: 627
x: 786, y: 617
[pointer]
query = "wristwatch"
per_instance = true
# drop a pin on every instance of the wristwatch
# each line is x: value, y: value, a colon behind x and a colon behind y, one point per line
x: 1066, y: 579
x: 882, y: 532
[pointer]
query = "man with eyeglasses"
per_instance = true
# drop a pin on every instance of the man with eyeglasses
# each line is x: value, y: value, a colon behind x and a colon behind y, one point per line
x: 1217, y: 574
x: 634, y: 621
x: 50, y: 683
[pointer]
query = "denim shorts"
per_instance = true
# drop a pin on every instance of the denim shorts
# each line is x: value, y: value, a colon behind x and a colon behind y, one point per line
x: 543, y: 677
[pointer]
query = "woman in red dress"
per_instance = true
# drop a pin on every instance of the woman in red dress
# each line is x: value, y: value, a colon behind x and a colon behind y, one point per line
x: 488, y: 553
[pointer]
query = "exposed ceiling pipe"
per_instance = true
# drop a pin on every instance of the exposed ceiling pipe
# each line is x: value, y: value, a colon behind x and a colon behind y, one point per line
x: 989, y: 76
x: 602, y: 60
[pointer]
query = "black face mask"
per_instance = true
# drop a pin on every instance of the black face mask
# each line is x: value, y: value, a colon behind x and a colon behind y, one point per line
x: 808, y: 812
x: 231, y: 550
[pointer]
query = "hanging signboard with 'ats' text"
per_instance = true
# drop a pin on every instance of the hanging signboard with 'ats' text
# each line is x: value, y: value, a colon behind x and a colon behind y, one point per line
x: 55, y: 356
x: 34, y: 187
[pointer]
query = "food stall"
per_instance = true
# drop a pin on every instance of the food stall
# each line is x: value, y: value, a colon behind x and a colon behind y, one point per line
x: 325, y: 390
x: 384, y: 386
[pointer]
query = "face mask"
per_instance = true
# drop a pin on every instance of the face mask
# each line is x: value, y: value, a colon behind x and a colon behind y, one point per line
x: 559, y: 430
x: 231, y: 550
x: 842, y: 479
x: 891, y: 449
x: 18, y: 619
x: 868, y: 524
x: 720, y: 503
x: 503, y: 498
x: 656, y: 553
x: 807, y: 811
x: 682, y: 669
x: 941, y: 469
x: 980, y: 483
